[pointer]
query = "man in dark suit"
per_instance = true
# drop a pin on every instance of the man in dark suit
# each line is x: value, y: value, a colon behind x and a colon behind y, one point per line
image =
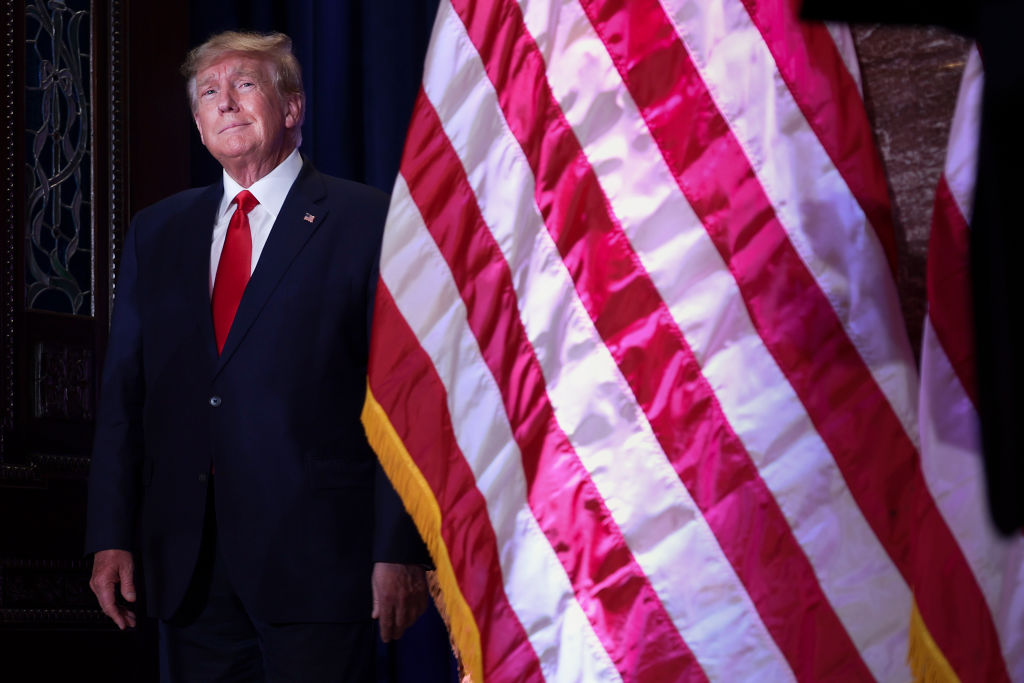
x: 228, y: 440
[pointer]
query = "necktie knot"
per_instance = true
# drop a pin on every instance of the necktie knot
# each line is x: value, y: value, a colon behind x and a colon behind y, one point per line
x: 246, y: 202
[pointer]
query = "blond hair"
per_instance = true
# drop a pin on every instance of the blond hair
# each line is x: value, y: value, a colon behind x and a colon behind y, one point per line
x: 273, y: 48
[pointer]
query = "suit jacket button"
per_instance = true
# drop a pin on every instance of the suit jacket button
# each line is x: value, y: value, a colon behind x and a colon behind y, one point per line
x: 215, y: 401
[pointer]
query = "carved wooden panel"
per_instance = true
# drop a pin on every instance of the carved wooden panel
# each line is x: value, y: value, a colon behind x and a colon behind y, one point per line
x: 63, y: 385
x: 65, y: 97
x: 59, y: 270
x: 9, y: 225
x: 46, y: 591
x: 62, y: 210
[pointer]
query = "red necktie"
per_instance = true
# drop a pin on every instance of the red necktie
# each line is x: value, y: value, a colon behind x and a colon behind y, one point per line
x: 234, y: 267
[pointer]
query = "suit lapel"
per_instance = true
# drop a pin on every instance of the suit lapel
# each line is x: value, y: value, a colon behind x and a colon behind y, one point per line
x: 195, y: 224
x: 300, y: 216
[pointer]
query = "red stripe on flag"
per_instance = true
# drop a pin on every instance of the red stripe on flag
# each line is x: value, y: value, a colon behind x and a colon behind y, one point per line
x: 829, y: 98
x: 661, y: 369
x: 799, y: 327
x: 949, y: 287
x: 406, y: 385
x: 613, y: 591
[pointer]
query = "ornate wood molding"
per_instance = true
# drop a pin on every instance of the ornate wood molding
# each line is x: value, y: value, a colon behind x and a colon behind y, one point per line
x: 47, y: 592
x: 50, y: 358
x: 11, y: 226
x: 49, y: 363
x: 118, y: 193
x: 65, y: 618
x: 63, y: 381
x: 43, y: 467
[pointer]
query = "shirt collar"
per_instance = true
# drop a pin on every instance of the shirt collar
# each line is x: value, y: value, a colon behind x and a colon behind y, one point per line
x: 270, y: 190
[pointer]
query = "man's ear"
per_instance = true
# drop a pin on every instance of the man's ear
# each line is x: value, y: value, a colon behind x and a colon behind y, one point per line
x: 293, y: 112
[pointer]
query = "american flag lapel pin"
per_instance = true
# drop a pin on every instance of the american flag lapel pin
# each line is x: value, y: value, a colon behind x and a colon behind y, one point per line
x: 309, y: 218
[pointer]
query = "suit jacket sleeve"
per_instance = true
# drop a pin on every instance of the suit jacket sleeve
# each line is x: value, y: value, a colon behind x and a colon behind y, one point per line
x: 115, y: 472
x: 395, y: 536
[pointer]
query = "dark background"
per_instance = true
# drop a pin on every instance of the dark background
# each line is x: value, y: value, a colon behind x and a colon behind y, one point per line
x: 362, y: 61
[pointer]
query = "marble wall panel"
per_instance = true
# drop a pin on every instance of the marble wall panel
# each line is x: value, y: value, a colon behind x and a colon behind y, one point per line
x: 911, y: 76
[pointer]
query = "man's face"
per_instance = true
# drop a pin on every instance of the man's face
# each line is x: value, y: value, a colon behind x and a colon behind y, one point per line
x: 241, y: 118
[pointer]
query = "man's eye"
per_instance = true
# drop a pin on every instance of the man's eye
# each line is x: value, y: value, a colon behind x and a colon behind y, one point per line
x: 246, y: 84
x: 209, y: 91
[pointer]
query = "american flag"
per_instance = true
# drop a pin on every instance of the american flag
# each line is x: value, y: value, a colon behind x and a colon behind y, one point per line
x: 638, y: 366
x: 950, y: 448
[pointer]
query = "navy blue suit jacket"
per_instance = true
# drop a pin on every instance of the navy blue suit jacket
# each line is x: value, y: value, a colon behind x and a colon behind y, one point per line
x: 302, y: 507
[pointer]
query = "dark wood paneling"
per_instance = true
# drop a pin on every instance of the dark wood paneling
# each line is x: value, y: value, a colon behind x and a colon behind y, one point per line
x: 138, y: 128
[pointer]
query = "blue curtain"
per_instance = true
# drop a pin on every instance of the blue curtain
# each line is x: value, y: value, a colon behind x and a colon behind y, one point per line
x: 362, y: 62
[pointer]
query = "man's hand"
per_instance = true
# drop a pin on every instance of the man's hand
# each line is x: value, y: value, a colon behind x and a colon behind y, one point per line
x: 399, y: 597
x: 110, y: 569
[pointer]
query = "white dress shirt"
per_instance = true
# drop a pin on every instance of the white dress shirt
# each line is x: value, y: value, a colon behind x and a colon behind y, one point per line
x: 270, y: 191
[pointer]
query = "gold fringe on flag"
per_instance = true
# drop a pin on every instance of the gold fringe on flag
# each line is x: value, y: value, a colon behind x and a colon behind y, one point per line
x: 437, y: 596
x: 927, y: 663
x: 419, y: 500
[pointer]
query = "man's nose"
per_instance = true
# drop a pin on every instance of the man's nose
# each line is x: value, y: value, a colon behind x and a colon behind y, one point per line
x: 225, y: 100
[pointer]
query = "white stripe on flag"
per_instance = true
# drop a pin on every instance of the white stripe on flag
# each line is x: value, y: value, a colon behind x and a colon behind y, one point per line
x: 706, y: 304
x: 950, y: 447
x: 640, y: 478
x: 659, y: 520
x: 805, y: 189
x: 843, y: 39
x: 961, y: 163
x: 952, y: 462
x: 535, y: 581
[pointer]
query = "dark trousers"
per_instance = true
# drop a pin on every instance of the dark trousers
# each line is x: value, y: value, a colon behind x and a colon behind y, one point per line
x: 213, y: 638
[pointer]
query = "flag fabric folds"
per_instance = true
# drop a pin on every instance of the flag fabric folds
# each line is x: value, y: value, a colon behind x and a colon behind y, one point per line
x: 638, y: 368
x: 950, y: 448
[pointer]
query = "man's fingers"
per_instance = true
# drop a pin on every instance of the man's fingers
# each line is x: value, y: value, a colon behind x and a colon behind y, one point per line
x: 112, y: 569
x: 103, y: 587
x: 399, y: 597
x: 110, y: 608
x: 412, y: 607
x: 415, y: 602
x: 123, y: 617
x: 127, y: 574
x: 406, y: 617
x: 407, y: 610
x: 386, y: 620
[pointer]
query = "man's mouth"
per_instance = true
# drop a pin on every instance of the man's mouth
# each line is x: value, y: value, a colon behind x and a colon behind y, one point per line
x: 233, y: 125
